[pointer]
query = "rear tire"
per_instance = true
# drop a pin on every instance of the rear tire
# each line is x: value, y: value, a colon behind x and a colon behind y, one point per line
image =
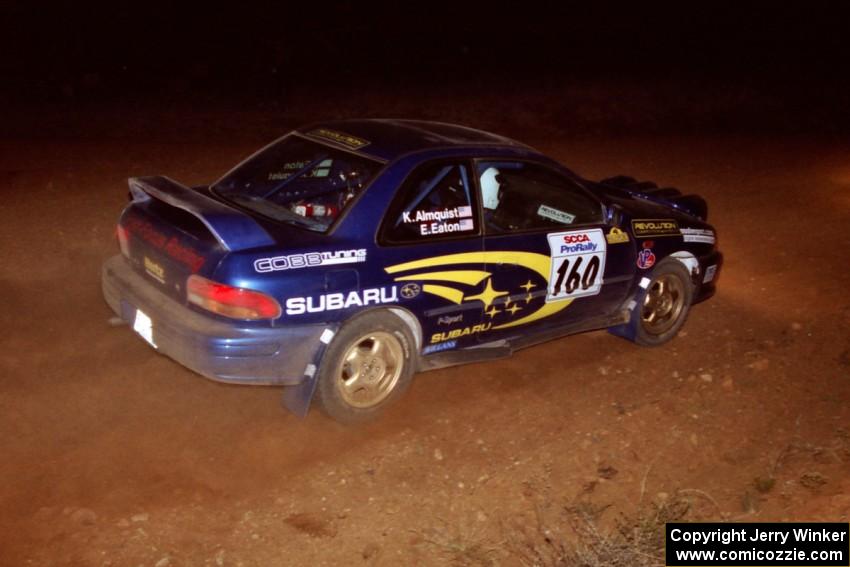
x: 368, y: 365
x: 665, y: 305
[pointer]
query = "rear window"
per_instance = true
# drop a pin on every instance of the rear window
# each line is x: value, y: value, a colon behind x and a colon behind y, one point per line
x: 298, y: 182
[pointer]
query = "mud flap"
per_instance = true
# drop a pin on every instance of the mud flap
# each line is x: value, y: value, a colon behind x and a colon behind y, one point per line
x: 297, y: 398
x: 629, y: 330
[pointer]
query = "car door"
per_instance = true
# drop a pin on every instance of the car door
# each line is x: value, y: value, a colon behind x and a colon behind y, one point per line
x: 431, y: 239
x: 554, y: 261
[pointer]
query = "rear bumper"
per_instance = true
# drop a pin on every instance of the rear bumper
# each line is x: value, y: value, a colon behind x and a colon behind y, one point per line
x: 220, y: 350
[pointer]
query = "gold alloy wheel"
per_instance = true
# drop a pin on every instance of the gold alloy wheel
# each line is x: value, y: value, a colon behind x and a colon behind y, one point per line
x: 662, y: 304
x: 370, y: 369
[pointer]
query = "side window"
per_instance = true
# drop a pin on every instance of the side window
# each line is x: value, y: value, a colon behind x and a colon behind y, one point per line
x: 434, y: 202
x: 523, y: 196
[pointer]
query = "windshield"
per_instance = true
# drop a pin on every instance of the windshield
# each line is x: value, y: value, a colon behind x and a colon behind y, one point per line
x: 299, y: 182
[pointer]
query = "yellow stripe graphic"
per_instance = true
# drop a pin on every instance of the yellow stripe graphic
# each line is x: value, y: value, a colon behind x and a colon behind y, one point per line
x: 531, y: 260
x: 545, y: 311
x: 539, y: 263
x: 468, y: 277
x: 453, y: 295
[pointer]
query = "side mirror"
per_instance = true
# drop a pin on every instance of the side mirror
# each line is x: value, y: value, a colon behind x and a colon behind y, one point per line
x: 613, y: 215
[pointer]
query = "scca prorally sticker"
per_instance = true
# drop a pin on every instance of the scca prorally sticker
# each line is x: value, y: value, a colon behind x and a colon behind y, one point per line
x: 644, y: 228
x: 577, y: 265
x: 341, y: 300
x: 554, y: 214
x: 309, y: 259
x: 701, y: 235
x: 709, y: 273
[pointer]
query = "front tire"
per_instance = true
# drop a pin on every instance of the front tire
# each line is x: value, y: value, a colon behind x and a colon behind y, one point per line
x: 368, y: 365
x: 665, y: 305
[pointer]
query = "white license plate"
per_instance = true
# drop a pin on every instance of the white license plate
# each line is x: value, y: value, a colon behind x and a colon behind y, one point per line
x: 144, y: 326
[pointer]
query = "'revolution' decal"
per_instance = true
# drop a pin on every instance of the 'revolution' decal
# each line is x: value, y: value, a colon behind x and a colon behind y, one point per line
x: 644, y: 228
x: 554, y: 214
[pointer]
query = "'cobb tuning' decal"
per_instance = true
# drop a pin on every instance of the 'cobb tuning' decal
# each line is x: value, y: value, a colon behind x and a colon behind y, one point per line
x: 309, y: 259
x: 578, y: 264
x: 644, y: 228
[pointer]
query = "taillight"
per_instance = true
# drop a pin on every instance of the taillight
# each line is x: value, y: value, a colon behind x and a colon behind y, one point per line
x: 229, y: 301
x: 121, y: 233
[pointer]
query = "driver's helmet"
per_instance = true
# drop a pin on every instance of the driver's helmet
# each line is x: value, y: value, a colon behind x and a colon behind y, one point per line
x: 490, y: 188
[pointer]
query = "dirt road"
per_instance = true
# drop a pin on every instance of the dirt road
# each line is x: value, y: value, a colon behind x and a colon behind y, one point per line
x: 114, y: 455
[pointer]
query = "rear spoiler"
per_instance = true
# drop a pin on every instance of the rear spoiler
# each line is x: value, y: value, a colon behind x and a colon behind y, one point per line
x: 232, y: 228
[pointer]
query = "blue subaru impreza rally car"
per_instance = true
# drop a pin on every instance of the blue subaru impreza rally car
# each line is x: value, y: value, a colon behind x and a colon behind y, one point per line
x: 348, y: 255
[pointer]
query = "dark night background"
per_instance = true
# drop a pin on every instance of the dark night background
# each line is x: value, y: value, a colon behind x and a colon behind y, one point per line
x: 113, y: 455
x: 735, y: 66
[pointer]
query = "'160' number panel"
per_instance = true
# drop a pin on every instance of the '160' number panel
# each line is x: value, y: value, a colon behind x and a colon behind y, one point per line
x: 578, y: 264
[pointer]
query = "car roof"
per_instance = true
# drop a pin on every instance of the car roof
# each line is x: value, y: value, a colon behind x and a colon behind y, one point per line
x: 388, y: 139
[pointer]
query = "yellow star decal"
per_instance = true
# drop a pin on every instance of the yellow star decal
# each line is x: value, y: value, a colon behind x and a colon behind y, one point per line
x: 513, y: 309
x: 492, y: 312
x: 448, y: 269
x: 488, y: 295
